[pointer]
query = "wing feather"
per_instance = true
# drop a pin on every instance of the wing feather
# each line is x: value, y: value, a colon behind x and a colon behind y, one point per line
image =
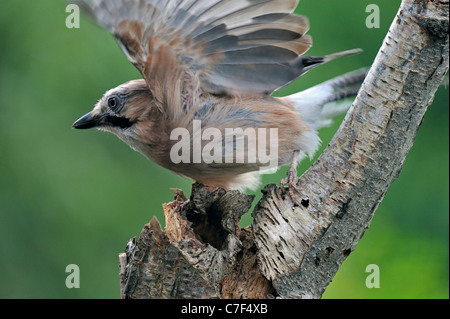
x: 216, y: 46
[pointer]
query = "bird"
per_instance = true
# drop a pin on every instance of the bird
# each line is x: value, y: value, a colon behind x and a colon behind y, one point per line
x: 204, y: 108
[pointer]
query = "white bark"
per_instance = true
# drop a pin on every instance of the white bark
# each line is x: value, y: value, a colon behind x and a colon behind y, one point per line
x: 301, y: 247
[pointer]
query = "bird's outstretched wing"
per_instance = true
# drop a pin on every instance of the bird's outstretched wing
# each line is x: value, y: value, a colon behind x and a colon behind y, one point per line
x: 216, y: 46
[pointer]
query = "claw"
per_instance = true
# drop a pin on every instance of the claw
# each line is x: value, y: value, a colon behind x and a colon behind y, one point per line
x: 291, y: 179
x: 181, y: 201
x: 182, y: 205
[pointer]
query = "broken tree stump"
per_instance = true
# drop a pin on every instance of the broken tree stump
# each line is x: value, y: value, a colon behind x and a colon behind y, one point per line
x: 201, y: 254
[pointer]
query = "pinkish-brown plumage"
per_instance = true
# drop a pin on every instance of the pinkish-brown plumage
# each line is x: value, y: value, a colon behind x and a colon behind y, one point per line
x: 204, y: 109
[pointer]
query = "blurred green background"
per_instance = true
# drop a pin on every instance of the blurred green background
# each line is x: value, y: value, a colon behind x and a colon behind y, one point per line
x: 77, y: 197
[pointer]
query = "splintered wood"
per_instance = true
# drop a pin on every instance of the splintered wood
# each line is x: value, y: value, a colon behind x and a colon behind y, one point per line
x: 201, y: 254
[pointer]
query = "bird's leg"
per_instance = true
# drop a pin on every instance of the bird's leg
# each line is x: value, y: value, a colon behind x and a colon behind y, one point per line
x: 181, y: 201
x: 291, y: 175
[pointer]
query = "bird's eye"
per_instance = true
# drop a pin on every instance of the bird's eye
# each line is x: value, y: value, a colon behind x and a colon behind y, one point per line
x: 113, y: 103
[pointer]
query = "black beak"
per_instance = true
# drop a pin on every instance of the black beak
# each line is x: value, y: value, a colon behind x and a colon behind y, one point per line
x: 87, y: 121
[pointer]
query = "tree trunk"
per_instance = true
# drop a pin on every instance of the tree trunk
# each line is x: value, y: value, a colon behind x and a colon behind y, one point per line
x: 295, y: 246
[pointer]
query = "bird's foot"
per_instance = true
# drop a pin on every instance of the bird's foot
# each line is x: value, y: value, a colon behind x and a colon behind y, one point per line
x: 182, y: 205
x: 291, y: 179
x: 181, y: 201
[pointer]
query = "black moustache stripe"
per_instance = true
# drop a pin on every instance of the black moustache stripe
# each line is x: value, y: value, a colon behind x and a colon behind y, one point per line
x: 116, y: 121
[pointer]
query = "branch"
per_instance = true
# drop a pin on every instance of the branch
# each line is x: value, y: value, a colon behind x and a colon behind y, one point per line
x: 294, y: 249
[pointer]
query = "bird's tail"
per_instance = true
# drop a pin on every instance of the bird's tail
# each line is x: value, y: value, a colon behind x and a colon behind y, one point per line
x: 308, y: 62
x: 319, y: 104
